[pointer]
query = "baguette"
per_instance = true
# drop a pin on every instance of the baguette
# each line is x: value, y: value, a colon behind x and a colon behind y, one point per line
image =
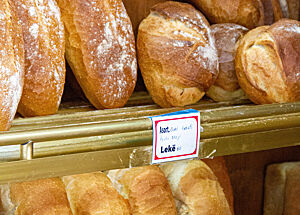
x: 146, y: 189
x: 93, y: 194
x: 11, y: 63
x: 44, y: 43
x: 100, y: 50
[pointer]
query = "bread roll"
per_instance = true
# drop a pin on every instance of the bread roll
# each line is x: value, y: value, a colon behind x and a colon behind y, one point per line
x: 226, y: 87
x: 11, y: 63
x: 177, y: 54
x: 146, y: 189
x: 196, y: 188
x: 41, y: 197
x: 94, y: 194
x: 100, y: 49
x: 219, y: 168
x: 44, y: 43
x: 268, y: 63
x: 272, y: 11
x: 248, y: 13
x: 282, y: 189
x: 290, y: 9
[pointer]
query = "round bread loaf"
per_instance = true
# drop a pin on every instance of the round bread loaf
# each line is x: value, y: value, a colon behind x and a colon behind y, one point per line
x: 268, y: 63
x: 248, y: 13
x: 226, y: 87
x: 100, y: 49
x: 177, y: 54
x: 11, y: 63
x: 44, y: 43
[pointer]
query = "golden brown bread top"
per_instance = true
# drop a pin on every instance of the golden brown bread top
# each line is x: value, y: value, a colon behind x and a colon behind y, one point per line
x: 177, y: 56
x: 44, y: 42
x: 100, y: 49
x: 226, y: 36
x: 148, y: 191
x: 248, y: 13
x: 287, y: 36
x: 219, y: 168
x: 11, y: 63
x: 41, y: 197
x: 267, y: 63
x: 94, y: 194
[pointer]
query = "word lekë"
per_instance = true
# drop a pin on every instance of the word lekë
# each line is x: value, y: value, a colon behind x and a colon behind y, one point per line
x: 168, y: 149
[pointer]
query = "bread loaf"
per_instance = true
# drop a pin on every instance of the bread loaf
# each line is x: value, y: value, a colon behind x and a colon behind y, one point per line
x: 290, y: 9
x: 11, y: 63
x: 41, y: 197
x: 268, y: 63
x: 196, y: 188
x: 248, y: 13
x: 100, y: 49
x: 219, y: 168
x: 146, y: 189
x: 44, y: 43
x: 282, y: 189
x: 272, y: 11
x: 177, y: 54
x: 226, y: 87
x: 94, y: 194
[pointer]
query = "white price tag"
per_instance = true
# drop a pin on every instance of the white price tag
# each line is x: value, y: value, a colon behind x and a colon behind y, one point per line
x: 176, y: 136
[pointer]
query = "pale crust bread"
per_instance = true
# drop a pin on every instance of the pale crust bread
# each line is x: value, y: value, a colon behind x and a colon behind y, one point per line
x: 176, y: 54
x: 196, y: 188
x: 226, y: 87
x: 100, y: 49
x: 41, y: 197
x: 248, y: 13
x: 268, y: 63
x: 93, y: 193
x: 44, y: 42
x: 147, y: 190
x: 11, y: 63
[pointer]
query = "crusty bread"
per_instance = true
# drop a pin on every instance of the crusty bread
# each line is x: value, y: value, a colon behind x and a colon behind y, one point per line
x: 41, y: 197
x: 268, y: 63
x: 226, y: 87
x: 146, y: 189
x: 44, y: 44
x: 196, y: 188
x: 138, y: 10
x: 272, y: 11
x: 176, y: 54
x: 100, y: 49
x: 248, y: 13
x: 219, y: 168
x: 11, y: 63
x: 282, y: 189
x: 94, y: 194
x: 290, y: 9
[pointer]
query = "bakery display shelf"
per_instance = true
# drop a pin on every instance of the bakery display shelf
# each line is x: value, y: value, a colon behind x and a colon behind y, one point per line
x: 81, y: 139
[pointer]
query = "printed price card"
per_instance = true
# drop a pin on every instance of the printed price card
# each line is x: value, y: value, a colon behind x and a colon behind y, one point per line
x: 176, y: 136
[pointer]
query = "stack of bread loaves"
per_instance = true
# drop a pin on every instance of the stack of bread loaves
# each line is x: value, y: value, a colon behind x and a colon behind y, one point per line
x: 136, y: 191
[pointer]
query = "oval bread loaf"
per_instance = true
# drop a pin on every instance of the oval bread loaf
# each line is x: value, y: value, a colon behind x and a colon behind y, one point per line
x: 11, y: 63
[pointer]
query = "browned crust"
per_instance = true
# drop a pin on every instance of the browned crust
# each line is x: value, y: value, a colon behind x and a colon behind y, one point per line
x: 43, y: 197
x: 100, y: 49
x: 272, y: 11
x: 287, y: 35
x: 148, y: 191
x: 11, y: 63
x: 219, y: 168
x: 177, y: 56
x: 93, y: 193
x: 248, y: 13
x: 44, y: 42
x: 277, y: 10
